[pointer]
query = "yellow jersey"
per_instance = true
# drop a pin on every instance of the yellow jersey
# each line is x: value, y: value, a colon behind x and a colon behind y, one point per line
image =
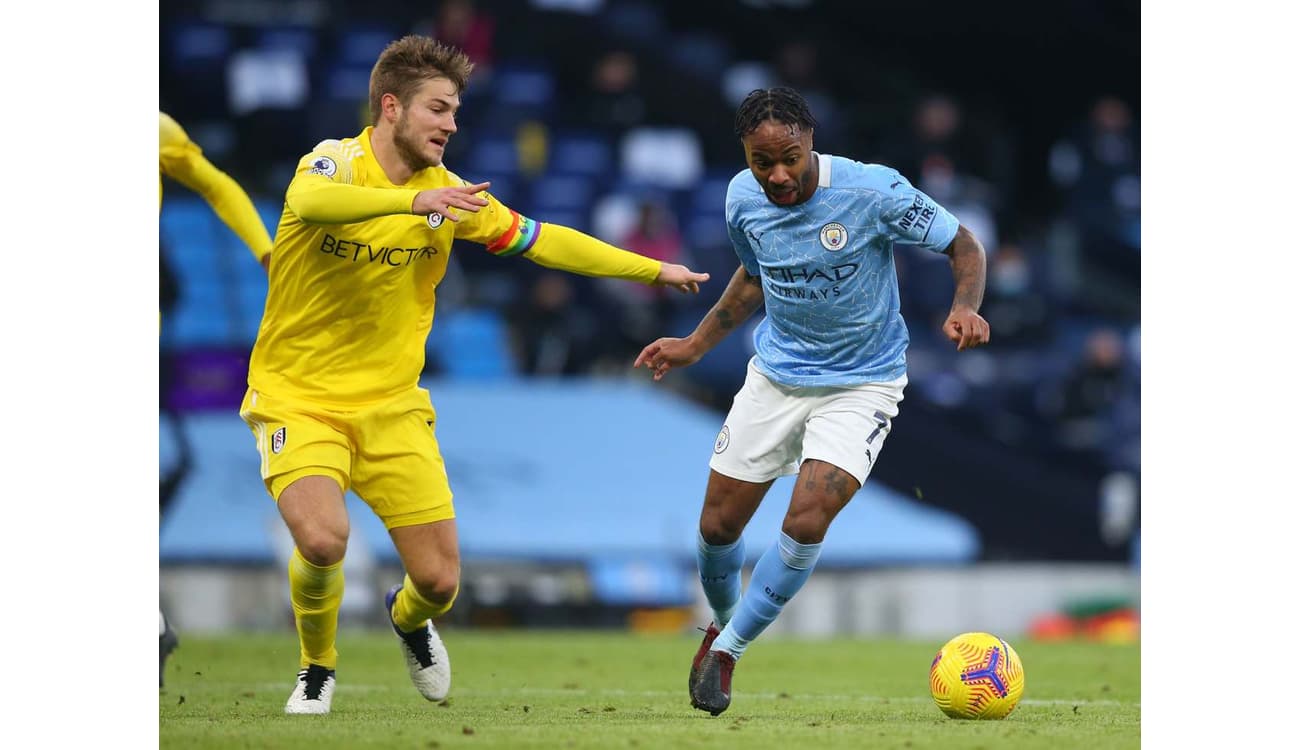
x: 352, y: 289
x: 181, y: 159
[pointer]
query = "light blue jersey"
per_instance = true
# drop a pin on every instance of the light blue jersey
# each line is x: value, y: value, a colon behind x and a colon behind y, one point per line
x: 827, y: 267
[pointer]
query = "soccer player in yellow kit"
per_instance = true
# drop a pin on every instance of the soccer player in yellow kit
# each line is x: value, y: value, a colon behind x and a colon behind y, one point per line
x: 334, y: 400
x: 182, y: 160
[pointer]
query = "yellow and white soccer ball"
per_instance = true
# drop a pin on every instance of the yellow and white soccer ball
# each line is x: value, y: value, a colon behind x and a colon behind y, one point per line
x: 977, y: 676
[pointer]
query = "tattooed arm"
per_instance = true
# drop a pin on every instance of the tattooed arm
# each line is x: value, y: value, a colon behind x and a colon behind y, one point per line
x: 964, y: 326
x: 744, y: 295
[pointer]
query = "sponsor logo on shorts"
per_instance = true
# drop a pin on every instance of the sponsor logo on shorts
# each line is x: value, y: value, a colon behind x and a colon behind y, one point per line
x: 834, y: 236
x: 724, y: 439
x: 323, y: 165
x: 277, y: 441
x: 435, y: 220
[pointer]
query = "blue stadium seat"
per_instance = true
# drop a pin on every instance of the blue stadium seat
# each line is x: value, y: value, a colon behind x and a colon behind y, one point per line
x: 196, y: 325
x: 298, y: 39
x: 505, y: 187
x: 494, y: 154
x: 472, y: 344
x: 710, y: 193
x: 564, y: 192
x: 573, y: 218
x: 519, y: 84
x: 361, y: 45
x: 669, y: 157
x: 521, y: 92
x: 347, y: 81
x: 197, y: 46
x: 582, y: 153
x: 641, y: 22
x: 701, y: 54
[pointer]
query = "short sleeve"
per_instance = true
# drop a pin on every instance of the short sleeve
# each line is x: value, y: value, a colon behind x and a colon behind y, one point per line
x: 736, y: 231
x: 911, y: 217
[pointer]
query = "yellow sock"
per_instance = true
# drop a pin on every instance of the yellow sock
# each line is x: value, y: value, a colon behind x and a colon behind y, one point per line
x: 316, y: 594
x: 410, y: 610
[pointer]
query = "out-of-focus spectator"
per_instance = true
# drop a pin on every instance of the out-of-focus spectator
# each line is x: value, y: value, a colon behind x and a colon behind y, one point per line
x: 969, y: 198
x: 1098, y: 240
x: 1081, y: 403
x: 1097, y: 166
x: 798, y: 65
x: 644, y: 311
x: 614, y: 101
x: 552, y: 333
x: 940, y: 128
x: 462, y: 24
x: 1015, y: 305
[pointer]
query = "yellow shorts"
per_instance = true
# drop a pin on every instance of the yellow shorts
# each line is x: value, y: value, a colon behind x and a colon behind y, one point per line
x: 385, y: 452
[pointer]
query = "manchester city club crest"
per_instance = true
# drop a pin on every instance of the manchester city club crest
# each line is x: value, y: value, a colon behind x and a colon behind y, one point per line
x: 834, y: 236
x: 724, y: 439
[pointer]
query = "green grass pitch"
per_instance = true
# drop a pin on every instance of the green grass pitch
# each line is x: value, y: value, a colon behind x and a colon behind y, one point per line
x: 572, y: 689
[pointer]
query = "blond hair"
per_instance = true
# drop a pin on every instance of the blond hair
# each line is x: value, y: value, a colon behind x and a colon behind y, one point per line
x: 407, y: 63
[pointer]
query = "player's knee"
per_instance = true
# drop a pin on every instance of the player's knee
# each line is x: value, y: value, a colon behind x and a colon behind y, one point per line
x: 438, y: 586
x: 322, y: 547
x: 806, y: 526
x: 719, y: 529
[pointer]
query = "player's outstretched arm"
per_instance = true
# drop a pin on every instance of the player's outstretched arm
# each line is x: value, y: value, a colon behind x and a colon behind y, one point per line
x: 317, y: 199
x: 743, y: 295
x: 565, y: 249
x: 182, y: 160
x: 964, y: 326
x: 680, y: 277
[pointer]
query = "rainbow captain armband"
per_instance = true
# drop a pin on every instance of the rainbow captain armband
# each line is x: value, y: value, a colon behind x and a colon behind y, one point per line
x: 518, y: 238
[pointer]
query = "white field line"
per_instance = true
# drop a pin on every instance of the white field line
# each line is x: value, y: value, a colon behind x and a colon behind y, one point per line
x: 350, y: 687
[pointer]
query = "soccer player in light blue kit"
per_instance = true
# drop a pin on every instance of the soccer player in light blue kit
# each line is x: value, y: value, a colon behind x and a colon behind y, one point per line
x: 815, y: 234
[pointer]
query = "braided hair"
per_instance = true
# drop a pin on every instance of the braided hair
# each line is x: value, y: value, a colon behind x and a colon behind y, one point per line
x: 782, y: 104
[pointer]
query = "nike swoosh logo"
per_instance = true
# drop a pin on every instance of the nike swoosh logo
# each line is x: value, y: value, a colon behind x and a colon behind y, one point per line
x: 896, y: 184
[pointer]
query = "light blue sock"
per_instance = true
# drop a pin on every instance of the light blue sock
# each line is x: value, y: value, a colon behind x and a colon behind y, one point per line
x: 778, y: 576
x: 719, y: 566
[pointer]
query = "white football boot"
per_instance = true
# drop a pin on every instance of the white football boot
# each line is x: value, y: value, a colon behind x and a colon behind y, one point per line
x: 313, y: 693
x: 426, y: 657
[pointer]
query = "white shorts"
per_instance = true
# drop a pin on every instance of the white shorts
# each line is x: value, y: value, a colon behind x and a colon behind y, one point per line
x: 772, y: 428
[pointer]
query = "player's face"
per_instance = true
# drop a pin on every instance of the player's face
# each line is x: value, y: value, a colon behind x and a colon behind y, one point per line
x: 426, y: 124
x: 780, y: 157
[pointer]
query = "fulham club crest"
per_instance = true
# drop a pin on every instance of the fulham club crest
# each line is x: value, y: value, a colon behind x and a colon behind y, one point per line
x: 435, y: 220
x: 277, y: 441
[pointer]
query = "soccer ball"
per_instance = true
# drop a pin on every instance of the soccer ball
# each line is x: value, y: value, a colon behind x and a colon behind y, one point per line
x: 976, y: 676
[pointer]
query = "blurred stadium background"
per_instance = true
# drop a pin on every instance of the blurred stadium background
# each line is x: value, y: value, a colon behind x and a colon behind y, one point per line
x: 1008, y: 498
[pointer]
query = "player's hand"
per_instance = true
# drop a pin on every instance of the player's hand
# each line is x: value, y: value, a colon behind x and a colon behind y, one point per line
x: 965, y: 328
x: 680, y: 278
x: 665, y: 354
x: 443, y: 200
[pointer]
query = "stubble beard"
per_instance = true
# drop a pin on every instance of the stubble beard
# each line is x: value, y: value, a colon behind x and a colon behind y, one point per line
x: 408, y: 149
